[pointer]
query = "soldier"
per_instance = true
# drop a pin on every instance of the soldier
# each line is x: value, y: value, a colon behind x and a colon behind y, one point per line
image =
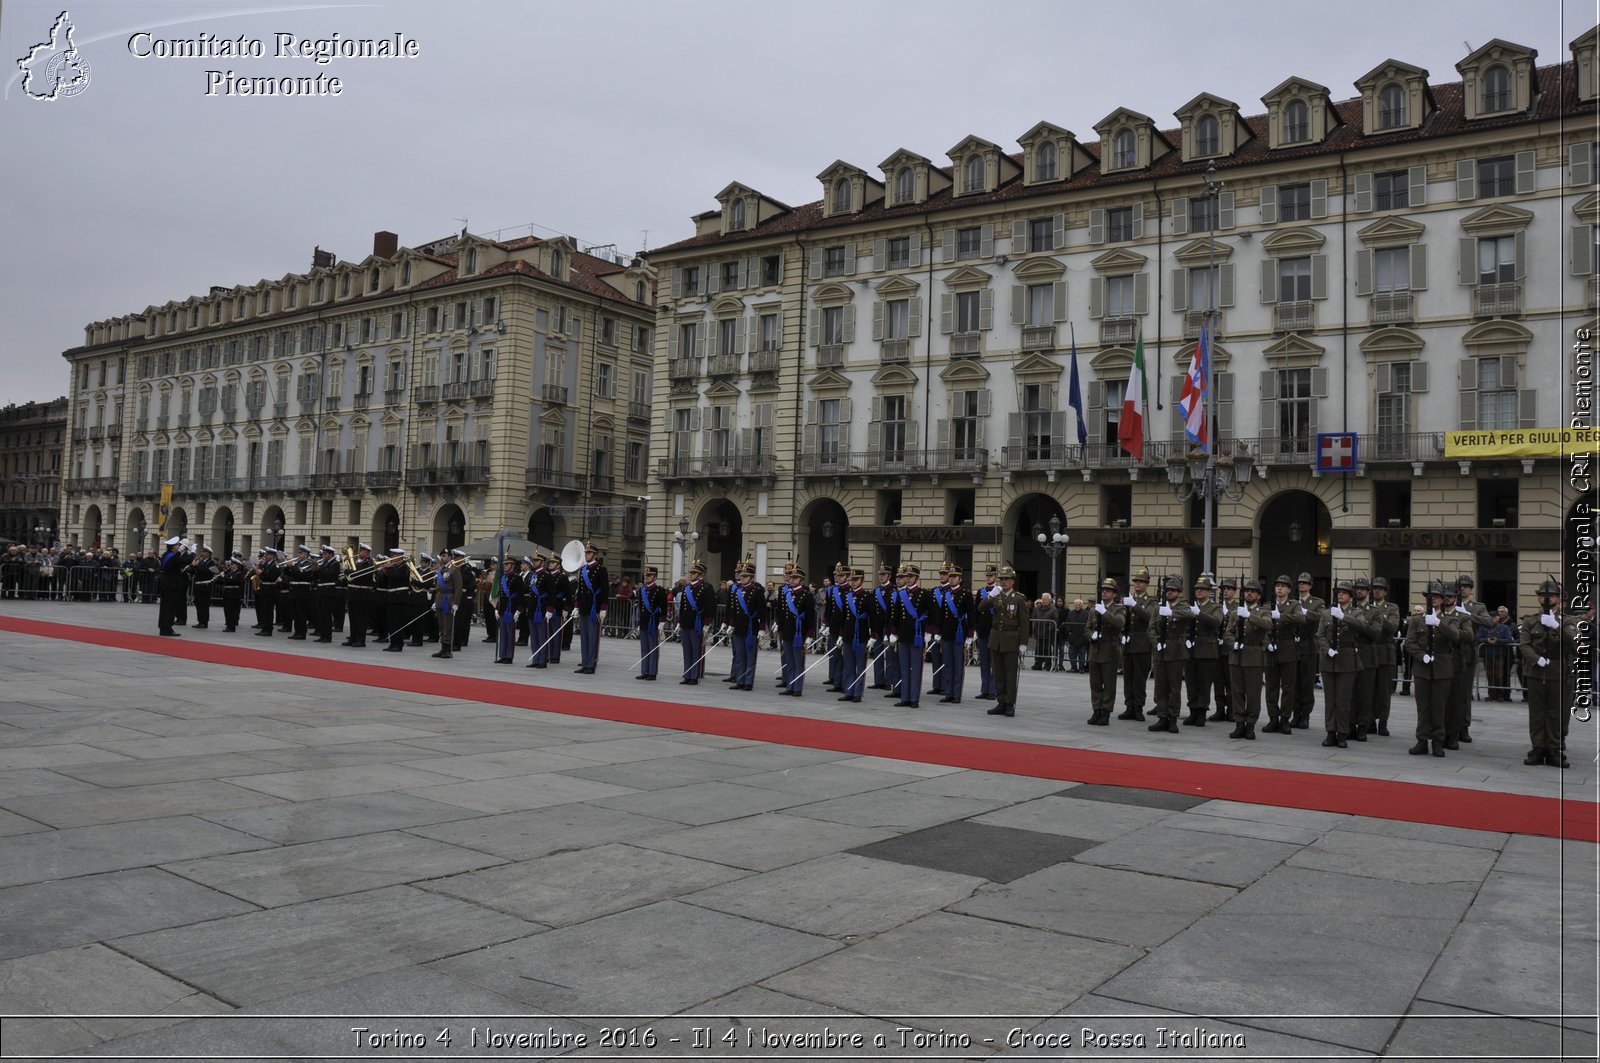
x: 1282, y: 656
x: 1168, y: 638
x: 796, y: 612
x: 447, y: 595
x: 1200, y: 634
x: 1248, y: 627
x: 936, y: 684
x: 1387, y: 619
x: 511, y: 598
x: 1549, y: 648
x: 886, y: 673
x: 203, y: 572
x: 1104, y: 628
x: 747, y: 616
x: 696, y: 607
x: 835, y: 620
x: 983, y: 622
x: 856, y: 632
x: 1222, y: 681
x: 230, y: 585
x: 593, y: 586
x: 913, y: 618
x: 170, y: 585
x: 266, y: 583
x: 1138, y: 609
x: 557, y: 603
x: 487, y: 600
x: 1008, y: 639
x: 1430, y: 641
x: 1361, y: 694
x: 1311, y: 608
x: 325, y: 591
x: 956, y: 618
x: 1338, y: 641
x: 537, y: 618
x: 299, y: 577
x: 358, y: 595
x: 1465, y: 679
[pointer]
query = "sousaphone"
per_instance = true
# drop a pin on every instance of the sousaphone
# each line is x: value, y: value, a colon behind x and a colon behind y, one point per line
x: 572, y: 556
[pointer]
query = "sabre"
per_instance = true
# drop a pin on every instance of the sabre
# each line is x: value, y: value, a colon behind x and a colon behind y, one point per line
x: 408, y: 623
x: 552, y: 638
x: 872, y: 659
x: 813, y: 664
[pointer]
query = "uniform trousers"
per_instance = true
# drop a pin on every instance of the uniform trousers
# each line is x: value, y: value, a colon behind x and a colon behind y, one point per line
x: 505, y: 644
x: 910, y: 671
x: 1135, y: 676
x: 985, y: 668
x: 1103, y: 686
x: 589, y: 638
x: 1244, y: 692
x: 1007, y: 666
x: 649, y: 648
x: 1169, y: 687
x: 794, y: 664
x: 1338, y: 690
x: 852, y: 660
x: 692, y: 639
x: 1382, y: 692
x: 955, y: 668
x: 230, y: 608
x: 1361, y: 709
x: 1199, y: 675
x: 1305, y: 681
x: 1460, y: 707
x: 1280, y: 688
x: 1433, y: 711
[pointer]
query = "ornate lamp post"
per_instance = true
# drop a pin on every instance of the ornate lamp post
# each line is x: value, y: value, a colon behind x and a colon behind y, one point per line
x: 1054, y: 544
x: 685, y: 540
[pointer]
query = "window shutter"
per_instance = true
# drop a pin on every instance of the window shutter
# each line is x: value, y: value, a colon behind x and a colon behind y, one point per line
x: 1095, y: 413
x: 1097, y: 225
x: 1314, y: 418
x: 983, y: 404
x: 809, y: 443
x: 849, y: 324
x: 1468, y: 397
x: 1019, y: 305
x: 1319, y: 199
x: 738, y: 339
x: 1319, y: 383
x: 1014, y: 435
x: 1180, y: 289
x: 1269, y: 204
x: 755, y: 333
x: 877, y: 321
x: 1363, y: 192
x: 1019, y: 236
x: 880, y: 254
x: 948, y: 239
x: 1180, y: 216
x: 1419, y: 267
x: 1058, y: 428
x: 980, y: 441
x: 850, y: 256
x: 672, y: 343
x: 677, y: 282
x: 986, y: 309
x: 816, y: 327
x: 1141, y: 293
x: 1269, y: 402
x: 1097, y: 297
x: 916, y: 249
x: 844, y: 418
x: 816, y: 262
x: 1224, y: 403
x: 1382, y: 379
x: 1225, y: 284
x: 986, y: 241
x: 1519, y: 268
x: 1269, y: 281
x: 1466, y: 179
x: 752, y: 272
x: 746, y: 444
x: 1177, y: 432
x: 1468, y: 272
x: 1419, y: 377
x: 1138, y: 221
x: 877, y: 409
x: 1058, y: 302
x: 1580, y: 164
x: 1319, y: 276
x: 1225, y: 210
x: 942, y: 434
x: 1525, y: 172
x: 694, y: 418
x: 1364, y: 271
x: 914, y: 316
x: 699, y: 344
x: 947, y: 313
x: 1526, y: 408
x: 1417, y: 193
x: 1508, y: 370
x: 1582, y: 250
x: 713, y: 278
x: 1058, y: 232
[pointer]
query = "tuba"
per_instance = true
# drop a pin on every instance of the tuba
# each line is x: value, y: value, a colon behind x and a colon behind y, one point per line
x: 572, y: 556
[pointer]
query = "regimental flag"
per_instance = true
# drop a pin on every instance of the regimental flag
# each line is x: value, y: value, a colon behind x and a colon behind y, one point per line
x: 166, y: 508
x: 1130, y: 426
x: 1075, y: 396
x: 1338, y: 452
x: 1192, y: 399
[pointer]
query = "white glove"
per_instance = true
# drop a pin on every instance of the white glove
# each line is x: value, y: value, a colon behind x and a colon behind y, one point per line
x: 1275, y: 615
x: 1463, y: 610
x: 1333, y: 653
x: 1095, y: 637
x: 937, y: 639
x: 971, y: 639
x: 894, y: 640
x: 1338, y: 614
x: 1549, y: 621
x: 549, y: 617
x: 1432, y: 620
x: 838, y: 640
x: 1427, y: 658
x: 1165, y: 610
x: 1100, y: 607
x: 871, y: 643
x: 1023, y: 650
x: 1188, y: 644
x: 1544, y: 662
x: 1194, y: 610
x: 1244, y: 613
x: 1272, y: 647
x: 1128, y: 601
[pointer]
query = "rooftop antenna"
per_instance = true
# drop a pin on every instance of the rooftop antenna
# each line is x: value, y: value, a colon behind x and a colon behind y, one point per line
x: 646, y: 245
x: 463, y: 222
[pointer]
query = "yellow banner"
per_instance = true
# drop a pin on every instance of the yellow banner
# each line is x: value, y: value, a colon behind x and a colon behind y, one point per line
x: 1522, y: 443
x: 166, y: 507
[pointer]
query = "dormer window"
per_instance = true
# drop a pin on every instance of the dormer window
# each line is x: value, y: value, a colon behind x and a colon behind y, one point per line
x: 405, y: 273
x: 1207, y: 136
x: 238, y: 307
x: 1046, y: 162
x: 1123, y: 151
x: 905, y: 185
x: 638, y: 291
x: 1296, y: 122
x: 1496, y: 89
x: 472, y: 260
x: 558, y: 263
x: 344, y: 285
x: 1391, y: 107
x: 841, y: 195
x: 372, y: 280
x: 321, y: 290
x: 972, y: 180
x: 735, y: 218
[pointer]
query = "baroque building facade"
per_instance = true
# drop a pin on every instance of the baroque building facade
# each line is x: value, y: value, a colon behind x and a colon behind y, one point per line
x: 31, y: 437
x: 884, y: 374
x: 421, y: 397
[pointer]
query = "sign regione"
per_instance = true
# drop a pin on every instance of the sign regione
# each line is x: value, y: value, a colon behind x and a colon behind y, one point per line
x: 1336, y: 451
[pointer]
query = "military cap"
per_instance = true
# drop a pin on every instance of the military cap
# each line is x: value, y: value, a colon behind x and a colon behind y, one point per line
x: 425, y: 556
x: 856, y: 573
x: 590, y: 548
x: 206, y: 549
x: 1285, y: 580
x: 1361, y: 581
x: 538, y: 558
x: 1253, y: 585
x: 1305, y: 577
x: 1550, y: 587
x: 1142, y: 576
x: 798, y: 572
x: 458, y: 552
x: 1464, y: 580
x: 954, y: 570
x: 1379, y: 583
x: 236, y: 556
x: 1109, y: 584
x: 1007, y: 572
x: 1172, y: 583
x: 1436, y: 589
x: 328, y: 549
x: 1450, y: 588
x: 395, y: 551
x: 698, y: 566
x: 1229, y: 581
x: 1203, y: 582
x: 910, y: 570
x: 526, y: 560
x: 649, y: 570
x: 1346, y: 586
x: 990, y: 570
x: 306, y: 549
x: 364, y: 546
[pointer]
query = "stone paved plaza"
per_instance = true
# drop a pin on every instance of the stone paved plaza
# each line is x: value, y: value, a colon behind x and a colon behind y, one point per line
x: 205, y: 860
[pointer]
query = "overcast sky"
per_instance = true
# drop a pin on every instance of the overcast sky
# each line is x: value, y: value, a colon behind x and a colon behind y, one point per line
x: 607, y: 121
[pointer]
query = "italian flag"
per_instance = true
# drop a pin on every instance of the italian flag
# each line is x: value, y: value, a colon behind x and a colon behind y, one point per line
x: 1130, y: 427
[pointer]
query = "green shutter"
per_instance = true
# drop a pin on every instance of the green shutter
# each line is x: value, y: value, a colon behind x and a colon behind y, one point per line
x: 1364, y: 264
x: 1180, y: 216
x: 1419, y: 267
x: 1363, y: 198
x: 1466, y: 180
x: 1319, y: 199
x: 1525, y: 172
x: 1269, y: 204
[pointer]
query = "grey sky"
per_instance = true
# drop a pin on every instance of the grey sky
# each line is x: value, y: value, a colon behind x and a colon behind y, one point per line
x: 600, y: 120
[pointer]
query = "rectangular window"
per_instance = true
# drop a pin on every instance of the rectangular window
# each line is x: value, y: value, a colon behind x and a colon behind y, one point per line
x: 730, y: 276
x: 1294, y: 279
x: 604, y: 376
x: 433, y: 319
x: 1119, y: 223
x: 1116, y: 390
x: 1203, y: 214
x: 829, y: 432
x: 691, y: 280
x: 1497, y: 176
x: 833, y: 262
x: 770, y: 339
x: 463, y: 316
x: 1392, y: 190
x: 688, y: 336
x: 968, y: 308
x: 608, y: 331
x: 899, y: 252
x: 1041, y: 234
x: 728, y: 335
x: 969, y: 242
x: 721, y: 433
x: 1036, y: 421
x: 1497, y: 404
x: 1393, y: 412
x: 832, y: 325
x: 641, y: 386
x: 641, y: 339
x: 634, y: 470
x: 1294, y: 409
x: 892, y: 432
x: 897, y: 319
x: 1203, y: 288
x: 1041, y: 304
x: 1392, y: 269
x: 1119, y: 296
x: 771, y: 270
x: 964, y: 425
x: 1294, y: 202
x: 1497, y: 260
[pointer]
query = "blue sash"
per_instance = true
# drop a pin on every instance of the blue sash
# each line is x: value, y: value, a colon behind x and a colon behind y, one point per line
x: 594, y: 599
x: 649, y: 609
x: 444, y: 593
x: 855, y: 617
x: 694, y: 607
x: 799, y: 627
x: 905, y: 599
x: 750, y: 616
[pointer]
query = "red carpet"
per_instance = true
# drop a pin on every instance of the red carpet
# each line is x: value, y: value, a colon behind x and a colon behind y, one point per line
x: 1380, y: 799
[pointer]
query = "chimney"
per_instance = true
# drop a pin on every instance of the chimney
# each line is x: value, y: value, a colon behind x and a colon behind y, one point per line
x: 385, y: 244
x: 321, y: 259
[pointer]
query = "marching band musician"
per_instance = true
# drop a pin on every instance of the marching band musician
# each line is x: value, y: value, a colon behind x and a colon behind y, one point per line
x: 186, y: 549
x: 856, y: 630
x: 299, y: 578
x: 446, y: 600
x: 359, y: 595
x: 487, y: 595
x: 467, y: 602
x: 696, y: 607
x: 325, y: 591
x: 510, y: 598
x: 425, y: 627
x: 1104, y: 627
x: 653, y: 606
x: 557, y: 603
x: 797, y: 624
x: 394, y: 586
x: 538, y: 614
x: 230, y: 584
x: 264, y: 578
x: 203, y: 571
x: 169, y: 585
x: 593, y: 586
x: 747, y: 614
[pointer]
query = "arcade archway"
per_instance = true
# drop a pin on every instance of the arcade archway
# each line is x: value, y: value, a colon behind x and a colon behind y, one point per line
x: 1293, y: 532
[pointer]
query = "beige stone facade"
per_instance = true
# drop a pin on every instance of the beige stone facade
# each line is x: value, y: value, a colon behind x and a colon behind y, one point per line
x: 421, y: 397
x: 883, y: 375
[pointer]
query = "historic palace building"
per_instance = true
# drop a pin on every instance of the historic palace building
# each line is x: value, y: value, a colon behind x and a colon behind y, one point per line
x: 420, y: 397
x: 31, y: 435
x: 885, y: 374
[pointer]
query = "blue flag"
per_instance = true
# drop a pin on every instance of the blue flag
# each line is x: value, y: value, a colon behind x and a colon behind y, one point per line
x: 1075, y: 395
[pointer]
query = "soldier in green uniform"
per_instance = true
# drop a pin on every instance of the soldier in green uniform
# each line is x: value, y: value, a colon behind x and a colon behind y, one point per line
x: 1008, y: 639
x: 1222, y: 683
x: 1282, y: 656
x: 1386, y: 617
x: 1461, y: 687
x: 1202, y: 628
x: 1246, y: 640
x: 1361, y: 714
x: 1311, y: 608
x: 1168, y: 633
x: 1339, y: 656
x: 1137, y: 607
x: 1549, y: 646
x: 1104, y: 629
x: 1430, y: 641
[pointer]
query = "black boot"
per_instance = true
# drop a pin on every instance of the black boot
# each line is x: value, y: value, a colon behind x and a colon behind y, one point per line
x: 1436, y: 747
x: 1535, y: 757
x: 1238, y: 730
x: 1332, y: 740
x: 1250, y: 731
x: 1420, y: 749
x: 1383, y: 728
x: 1272, y: 728
x: 1218, y: 715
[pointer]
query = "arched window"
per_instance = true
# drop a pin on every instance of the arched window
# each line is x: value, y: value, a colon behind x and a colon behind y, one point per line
x: 372, y: 279
x: 472, y: 260
x: 638, y: 291
x: 1045, y: 162
x: 1496, y: 89
x: 558, y: 264
x: 905, y: 185
x: 973, y: 181
x: 1296, y: 122
x: 1207, y: 136
x: 736, y: 215
x: 1391, y: 107
x: 841, y: 195
x: 1123, y: 153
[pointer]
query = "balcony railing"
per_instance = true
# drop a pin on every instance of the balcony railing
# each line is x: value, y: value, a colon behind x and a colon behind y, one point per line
x: 1403, y: 446
x: 426, y: 393
x: 135, y: 488
x: 331, y: 403
x: 764, y: 361
x: 1296, y: 316
x: 1591, y: 292
x: 1195, y: 320
x: 830, y: 354
x: 383, y: 478
x: 894, y: 459
x: 447, y: 475
x: 229, y: 409
x: 324, y: 481
x: 113, y: 431
x: 453, y: 392
x: 831, y: 462
x: 684, y: 369
x: 362, y: 400
x: 394, y: 396
x: 724, y: 365
x: 162, y: 420
x: 602, y: 482
x: 183, y: 420
x: 1390, y: 308
x: 351, y: 481
x: 958, y: 459
x: 1497, y: 300
x: 726, y: 466
x: 966, y: 344
x: 97, y: 433
x: 554, y: 478
x: 481, y: 389
x: 892, y: 352
x: 1039, y: 338
x: 556, y: 394
x: 279, y: 409
x: 1117, y: 331
x: 639, y: 411
x: 92, y: 484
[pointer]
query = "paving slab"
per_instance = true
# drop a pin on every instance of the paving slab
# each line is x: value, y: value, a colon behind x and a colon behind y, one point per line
x: 1527, y: 855
x: 251, y: 958
x: 519, y: 793
x: 1133, y: 795
x: 1096, y: 820
x: 499, y: 764
x: 55, y: 756
x: 909, y: 767
x: 767, y: 757
x: 1291, y: 901
x: 701, y: 803
x: 40, y: 733
x: 341, y: 734
x: 44, y: 916
x: 42, y: 856
x: 289, y: 822
x: 1125, y: 907
x: 1427, y: 832
x: 1394, y: 859
x: 985, y: 786
x: 995, y: 854
x: 658, y: 774
x: 317, y: 783
x: 170, y: 769
x: 195, y: 746
x: 1437, y: 1031
x: 1240, y: 828
x: 1196, y: 855
x: 82, y: 808
x: 837, y: 778
x: 1532, y: 974
x: 652, y: 960
x: 1304, y: 818
x: 317, y: 758
x: 1537, y: 905
x: 567, y: 888
x: 525, y: 835
x: 29, y: 782
x: 764, y: 842
x: 895, y: 808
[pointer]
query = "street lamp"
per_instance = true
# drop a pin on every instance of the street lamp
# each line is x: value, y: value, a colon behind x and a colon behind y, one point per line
x: 685, y: 540
x: 277, y: 533
x: 1053, y: 544
x: 41, y: 533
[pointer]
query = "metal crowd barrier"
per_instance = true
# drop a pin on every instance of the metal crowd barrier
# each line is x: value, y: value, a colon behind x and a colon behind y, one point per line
x: 1042, y: 637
